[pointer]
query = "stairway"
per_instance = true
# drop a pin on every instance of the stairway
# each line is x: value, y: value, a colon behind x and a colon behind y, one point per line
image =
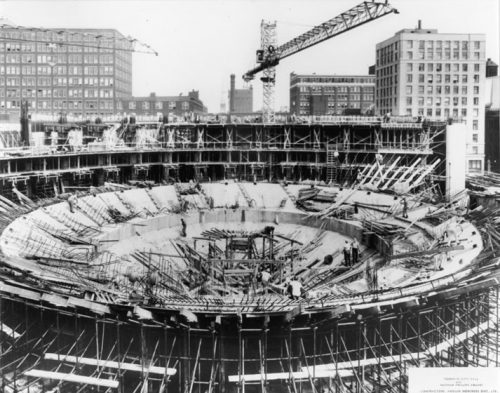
x: 332, y: 164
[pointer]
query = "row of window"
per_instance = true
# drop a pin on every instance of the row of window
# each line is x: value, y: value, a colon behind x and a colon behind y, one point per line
x: 57, y: 70
x: 57, y: 104
x: 146, y: 105
x: 445, y: 101
x: 332, y: 79
x: 438, y: 55
x: 439, y: 44
x: 338, y: 89
x: 438, y: 67
x: 440, y: 89
x: 448, y: 78
x: 343, y: 97
x: 51, y: 48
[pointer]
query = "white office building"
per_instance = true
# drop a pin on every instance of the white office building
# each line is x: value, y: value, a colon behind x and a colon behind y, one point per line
x: 420, y: 72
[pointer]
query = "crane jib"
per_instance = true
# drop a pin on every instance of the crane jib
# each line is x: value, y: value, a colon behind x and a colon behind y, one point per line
x: 362, y: 13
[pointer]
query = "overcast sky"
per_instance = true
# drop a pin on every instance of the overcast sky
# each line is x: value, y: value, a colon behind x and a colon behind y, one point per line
x: 201, y: 42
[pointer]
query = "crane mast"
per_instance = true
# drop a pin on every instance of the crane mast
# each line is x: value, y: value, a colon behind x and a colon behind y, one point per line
x: 269, y: 55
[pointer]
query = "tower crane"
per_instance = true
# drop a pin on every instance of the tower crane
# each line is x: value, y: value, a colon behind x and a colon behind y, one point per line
x: 269, y: 55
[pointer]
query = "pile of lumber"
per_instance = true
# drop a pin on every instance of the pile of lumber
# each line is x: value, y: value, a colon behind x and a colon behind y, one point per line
x: 215, y: 233
x: 485, y: 182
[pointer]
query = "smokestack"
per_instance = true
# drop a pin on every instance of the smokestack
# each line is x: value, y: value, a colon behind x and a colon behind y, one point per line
x: 231, y: 94
x: 419, y: 24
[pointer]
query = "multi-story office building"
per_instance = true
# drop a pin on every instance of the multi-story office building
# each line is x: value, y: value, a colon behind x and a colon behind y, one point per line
x: 492, y: 118
x: 77, y: 72
x: 420, y: 72
x: 153, y: 105
x: 240, y: 100
x: 331, y: 94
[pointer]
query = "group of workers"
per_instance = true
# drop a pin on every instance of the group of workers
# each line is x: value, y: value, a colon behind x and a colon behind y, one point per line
x: 351, y: 252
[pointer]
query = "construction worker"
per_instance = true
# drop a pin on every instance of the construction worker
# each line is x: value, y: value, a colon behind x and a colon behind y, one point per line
x: 355, y: 251
x: 184, y: 228
x: 347, y: 254
x: 294, y: 289
x: 265, y: 278
x: 72, y: 202
x: 405, y: 207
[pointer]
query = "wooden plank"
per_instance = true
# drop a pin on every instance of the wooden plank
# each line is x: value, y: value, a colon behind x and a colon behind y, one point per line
x: 111, y: 364
x: 80, y: 379
x: 426, y: 252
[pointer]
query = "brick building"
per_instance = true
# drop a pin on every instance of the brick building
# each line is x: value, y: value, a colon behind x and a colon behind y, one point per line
x: 77, y: 72
x: 153, y: 105
x: 331, y: 94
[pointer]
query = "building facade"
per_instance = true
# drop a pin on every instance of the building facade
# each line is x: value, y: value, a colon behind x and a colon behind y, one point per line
x: 331, y: 94
x: 492, y: 118
x: 75, y: 72
x: 240, y: 100
x: 420, y: 72
x: 153, y: 105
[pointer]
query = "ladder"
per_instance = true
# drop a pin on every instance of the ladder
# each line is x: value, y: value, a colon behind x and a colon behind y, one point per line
x: 332, y: 164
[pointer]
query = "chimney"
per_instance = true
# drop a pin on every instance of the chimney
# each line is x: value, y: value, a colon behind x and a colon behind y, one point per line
x: 231, y: 94
x: 419, y: 24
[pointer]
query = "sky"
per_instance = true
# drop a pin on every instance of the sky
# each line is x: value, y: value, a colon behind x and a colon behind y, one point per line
x: 201, y: 42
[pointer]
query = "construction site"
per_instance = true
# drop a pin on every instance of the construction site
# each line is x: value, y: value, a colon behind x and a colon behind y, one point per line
x: 313, y: 254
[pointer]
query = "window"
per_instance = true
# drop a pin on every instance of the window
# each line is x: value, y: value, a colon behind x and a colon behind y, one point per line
x: 439, y: 90
x: 476, y: 89
x: 439, y: 67
x: 409, y: 78
x: 420, y: 101
x: 455, y: 112
x: 408, y: 111
x: 464, y: 89
x: 408, y: 101
x: 455, y: 101
x: 464, y: 67
x: 476, y: 56
x: 439, y: 78
x: 429, y: 89
x: 158, y: 105
x: 438, y: 101
x: 409, y: 90
x: 430, y: 78
x: 131, y: 105
x: 421, y: 44
x: 455, y: 89
x: 456, y: 67
x: 421, y: 89
x: 447, y: 90
x: 447, y: 67
x: 446, y: 112
x: 476, y: 78
x: 145, y: 105
x: 476, y: 100
x: 464, y: 100
x: 438, y: 112
x: 446, y: 101
x: 474, y: 165
x: 475, y: 112
x: 409, y: 55
x: 429, y: 112
x: 409, y: 67
x: 475, y: 150
x: 429, y: 101
x: 420, y: 111
x: 421, y: 78
x: 475, y: 138
x: 421, y: 66
x: 476, y: 67
x: 455, y: 78
x: 475, y: 126
x: 464, y: 112
x: 409, y: 44
x: 477, y: 44
x: 464, y: 78
x: 446, y: 78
